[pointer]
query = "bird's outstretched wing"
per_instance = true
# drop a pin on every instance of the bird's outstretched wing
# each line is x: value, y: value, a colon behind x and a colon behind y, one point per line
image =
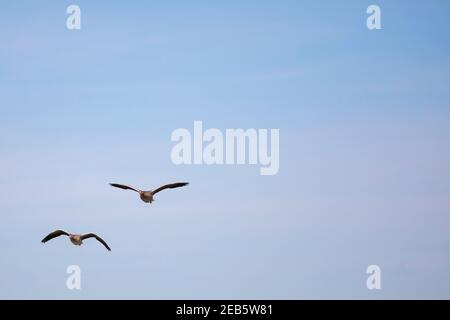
x: 54, y: 234
x: 93, y: 235
x: 125, y: 187
x: 170, y: 186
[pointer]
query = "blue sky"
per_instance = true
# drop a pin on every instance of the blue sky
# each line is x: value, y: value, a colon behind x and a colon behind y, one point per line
x: 364, y: 131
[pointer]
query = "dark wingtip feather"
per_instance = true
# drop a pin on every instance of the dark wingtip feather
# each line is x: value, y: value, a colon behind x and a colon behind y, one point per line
x: 120, y: 186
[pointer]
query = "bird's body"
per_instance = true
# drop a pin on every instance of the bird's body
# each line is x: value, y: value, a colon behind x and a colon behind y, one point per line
x: 147, y: 196
x: 76, y: 239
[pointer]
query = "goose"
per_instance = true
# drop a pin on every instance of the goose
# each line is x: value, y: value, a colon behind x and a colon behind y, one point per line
x: 147, y: 196
x: 76, y: 239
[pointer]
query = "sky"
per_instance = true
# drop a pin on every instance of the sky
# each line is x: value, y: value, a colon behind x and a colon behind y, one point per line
x: 364, y: 175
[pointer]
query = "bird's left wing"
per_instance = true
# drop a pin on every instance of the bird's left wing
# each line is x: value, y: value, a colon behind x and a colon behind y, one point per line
x: 54, y: 234
x: 125, y: 187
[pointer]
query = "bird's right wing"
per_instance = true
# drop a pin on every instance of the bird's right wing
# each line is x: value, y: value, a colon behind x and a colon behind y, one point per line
x: 125, y: 187
x: 170, y: 186
x: 54, y: 234
x: 93, y: 235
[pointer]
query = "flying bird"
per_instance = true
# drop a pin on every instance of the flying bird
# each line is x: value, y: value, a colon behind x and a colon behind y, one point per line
x: 147, y: 196
x: 76, y: 239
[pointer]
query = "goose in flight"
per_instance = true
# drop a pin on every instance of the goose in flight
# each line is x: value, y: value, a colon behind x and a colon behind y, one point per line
x: 76, y: 239
x: 147, y: 196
